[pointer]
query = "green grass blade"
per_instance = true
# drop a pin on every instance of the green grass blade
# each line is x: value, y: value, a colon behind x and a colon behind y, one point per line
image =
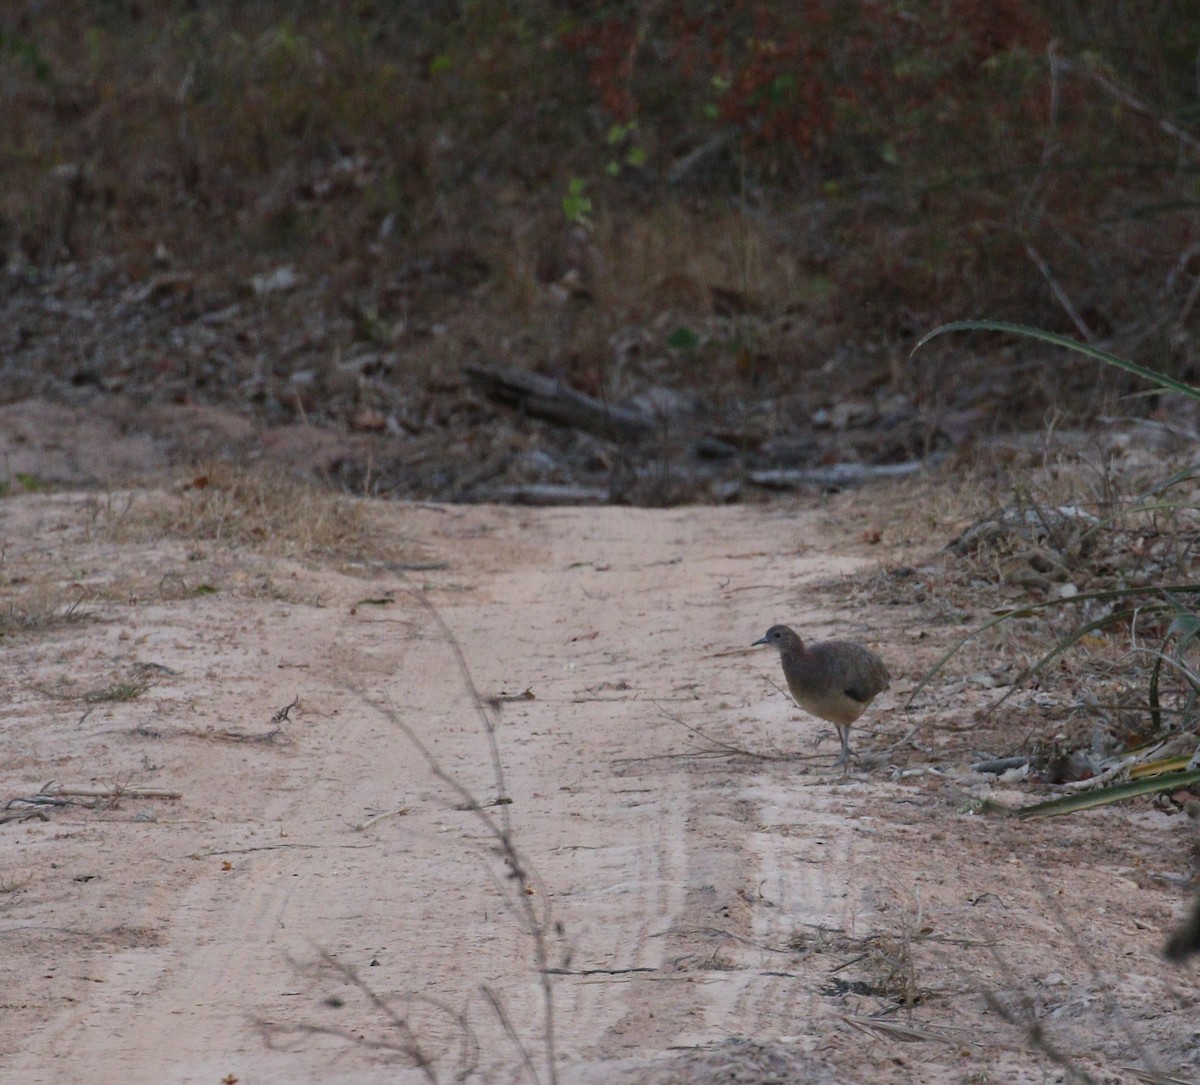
x: 1068, y: 642
x: 1152, y: 696
x: 1087, y: 800
x: 1188, y: 474
x: 1160, y: 379
x: 1028, y: 611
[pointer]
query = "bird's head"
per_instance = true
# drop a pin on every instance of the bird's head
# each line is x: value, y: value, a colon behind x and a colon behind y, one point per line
x: 781, y: 637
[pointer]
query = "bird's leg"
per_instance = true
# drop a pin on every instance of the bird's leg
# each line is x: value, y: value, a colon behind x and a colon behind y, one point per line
x: 844, y: 735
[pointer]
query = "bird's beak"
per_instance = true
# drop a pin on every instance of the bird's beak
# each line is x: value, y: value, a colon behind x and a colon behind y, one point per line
x: 761, y: 640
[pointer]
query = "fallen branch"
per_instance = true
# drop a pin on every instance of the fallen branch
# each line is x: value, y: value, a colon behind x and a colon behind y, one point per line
x: 115, y: 792
x: 243, y: 736
x: 27, y: 807
x: 596, y: 971
x: 837, y: 474
x: 556, y: 402
x: 548, y: 493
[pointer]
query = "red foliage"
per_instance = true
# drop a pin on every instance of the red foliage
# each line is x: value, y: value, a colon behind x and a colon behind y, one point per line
x: 800, y: 74
x: 610, y: 47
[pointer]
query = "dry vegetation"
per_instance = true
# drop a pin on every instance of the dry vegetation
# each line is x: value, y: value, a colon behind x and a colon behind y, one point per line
x: 746, y: 211
x: 1065, y: 588
x: 265, y: 511
x: 226, y: 529
x: 906, y: 963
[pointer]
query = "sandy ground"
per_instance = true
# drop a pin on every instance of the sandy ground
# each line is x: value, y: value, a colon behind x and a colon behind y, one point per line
x: 317, y: 905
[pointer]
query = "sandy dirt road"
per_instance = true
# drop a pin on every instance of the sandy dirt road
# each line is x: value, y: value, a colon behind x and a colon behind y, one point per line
x: 714, y: 916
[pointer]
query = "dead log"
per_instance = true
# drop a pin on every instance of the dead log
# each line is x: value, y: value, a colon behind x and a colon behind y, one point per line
x: 836, y: 475
x: 545, y: 493
x: 558, y: 403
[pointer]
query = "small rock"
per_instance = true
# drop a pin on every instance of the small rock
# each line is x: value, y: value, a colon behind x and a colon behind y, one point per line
x: 664, y: 403
x: 369, y: 421
x: 1014, y: 775
x: 272, y: 282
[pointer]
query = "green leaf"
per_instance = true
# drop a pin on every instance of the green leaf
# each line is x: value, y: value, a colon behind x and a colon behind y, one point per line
x: 683, y: 339
x: 618, y: 133
x: 13, y: 45
x: 576, y: 205
x: 784, y: 86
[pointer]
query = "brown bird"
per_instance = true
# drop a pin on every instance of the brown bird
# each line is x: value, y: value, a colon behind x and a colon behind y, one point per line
x: 834, y: 680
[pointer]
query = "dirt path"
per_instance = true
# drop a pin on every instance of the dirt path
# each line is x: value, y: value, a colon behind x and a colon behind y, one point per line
x: 723, y: 917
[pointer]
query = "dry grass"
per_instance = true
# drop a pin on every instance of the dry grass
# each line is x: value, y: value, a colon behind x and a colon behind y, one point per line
x: 37, y: 607
x: 117, y: 692
x: 260, y: 510
x: 360, y: 146
x: 1053, y: 545
x: 15, y: 882
x: 226, y: 529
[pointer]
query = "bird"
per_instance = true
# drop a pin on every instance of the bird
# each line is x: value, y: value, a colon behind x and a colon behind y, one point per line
x: 834, y: 680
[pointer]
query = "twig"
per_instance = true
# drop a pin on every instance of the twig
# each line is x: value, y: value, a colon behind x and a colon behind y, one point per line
x: 1102, y: 985
x: 411, y: 1045
x: 879, y: 1028
x: 24, y: 815
x: 375, y: 819
x: 275, y: 847
x: 1049, y: 146
x: 499, y: 827
x: 498, y: 1008
x: 549, y: 494
x: 1036, y: 1037
x: 90, y: 797
x: 243, y: 736
x: 598, y: 971
x: 1156, y: 1078
x: 725, y: 747
x: 282, y: 715
x: 115, y: 792
x: 489, y: 725
x: 560, y: 404
x: 1125, y: 98
x: 905, y: 740
x: 500, y: 831
x: 1059, y: 293
x: 53, y: 795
